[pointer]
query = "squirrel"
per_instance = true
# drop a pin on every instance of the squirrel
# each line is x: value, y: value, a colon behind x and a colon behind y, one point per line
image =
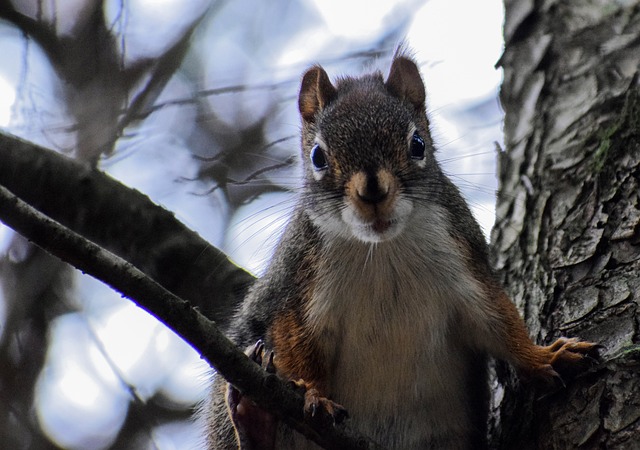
x: 380, y: 299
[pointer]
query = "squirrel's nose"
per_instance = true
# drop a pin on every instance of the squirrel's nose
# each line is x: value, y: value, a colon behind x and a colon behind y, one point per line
x: 372, y: 191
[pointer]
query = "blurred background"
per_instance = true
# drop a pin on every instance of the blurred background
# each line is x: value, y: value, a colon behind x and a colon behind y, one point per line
x: 194, y: 104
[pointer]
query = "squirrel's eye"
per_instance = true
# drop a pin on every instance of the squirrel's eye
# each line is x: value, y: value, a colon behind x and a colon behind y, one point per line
x: 417, y: 147
x: 318, y: 159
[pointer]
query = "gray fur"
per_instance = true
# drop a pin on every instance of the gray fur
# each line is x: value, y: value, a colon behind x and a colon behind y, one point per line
x: 391, y: 317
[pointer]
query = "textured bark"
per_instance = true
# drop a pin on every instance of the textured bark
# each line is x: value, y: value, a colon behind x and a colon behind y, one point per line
x: 567, y: 238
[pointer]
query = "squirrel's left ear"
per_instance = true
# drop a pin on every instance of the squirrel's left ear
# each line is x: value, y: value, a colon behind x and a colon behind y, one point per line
x: 316, y: 92
x: 405, y: 82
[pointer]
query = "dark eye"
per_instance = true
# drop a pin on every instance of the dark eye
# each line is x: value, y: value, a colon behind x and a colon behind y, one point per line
x: 318, y: 159
x: 417, y: 147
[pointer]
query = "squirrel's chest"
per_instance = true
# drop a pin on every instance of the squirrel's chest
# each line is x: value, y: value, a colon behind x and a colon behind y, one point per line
x: 386, y: 328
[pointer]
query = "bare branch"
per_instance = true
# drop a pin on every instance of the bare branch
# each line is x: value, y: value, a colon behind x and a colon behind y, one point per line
x: 267, y: 390
x: 43, y: 34
x: 152, y: 239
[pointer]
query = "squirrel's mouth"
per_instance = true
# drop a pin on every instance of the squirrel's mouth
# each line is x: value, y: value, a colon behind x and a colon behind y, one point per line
x: 380, y: 225
x: 378, y: 230
x: 375, y: 224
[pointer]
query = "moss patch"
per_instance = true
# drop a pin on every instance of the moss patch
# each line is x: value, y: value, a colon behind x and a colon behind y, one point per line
x: 620, y: 137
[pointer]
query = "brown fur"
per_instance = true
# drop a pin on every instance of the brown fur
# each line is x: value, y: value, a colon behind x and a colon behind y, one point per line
x: 297, y: 355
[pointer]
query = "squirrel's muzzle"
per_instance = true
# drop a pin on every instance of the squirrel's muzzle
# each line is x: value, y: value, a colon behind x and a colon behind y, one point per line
x: 373, y: 195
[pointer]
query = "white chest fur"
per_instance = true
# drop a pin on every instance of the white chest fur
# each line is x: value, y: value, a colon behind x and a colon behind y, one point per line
x: 386, y: 317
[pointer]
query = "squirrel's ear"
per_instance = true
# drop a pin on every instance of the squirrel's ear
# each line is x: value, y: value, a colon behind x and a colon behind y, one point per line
x: 316, y: 92
x: 405, y: 82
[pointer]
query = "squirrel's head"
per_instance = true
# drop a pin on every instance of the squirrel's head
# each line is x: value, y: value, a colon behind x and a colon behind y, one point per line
x: 367, y: 151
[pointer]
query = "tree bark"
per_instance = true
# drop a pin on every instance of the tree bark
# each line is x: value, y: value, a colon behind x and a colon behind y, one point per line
x: 567, y: 235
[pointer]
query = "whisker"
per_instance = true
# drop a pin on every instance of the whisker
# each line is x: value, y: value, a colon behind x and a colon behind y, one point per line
x: 369, y: 258
x: 246, y: 222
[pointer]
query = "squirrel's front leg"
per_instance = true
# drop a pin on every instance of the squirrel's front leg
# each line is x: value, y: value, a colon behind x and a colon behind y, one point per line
x: 531, y: 360
x: 299, y: 359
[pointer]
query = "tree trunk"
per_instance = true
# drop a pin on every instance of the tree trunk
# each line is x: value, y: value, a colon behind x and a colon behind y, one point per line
x: 567, y: 236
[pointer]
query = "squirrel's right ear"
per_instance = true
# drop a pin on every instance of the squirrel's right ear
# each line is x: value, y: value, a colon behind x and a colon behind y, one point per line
x: 316, y: 92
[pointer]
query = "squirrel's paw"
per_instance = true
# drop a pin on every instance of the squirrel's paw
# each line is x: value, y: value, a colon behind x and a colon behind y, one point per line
x: 564, y: 355
x: 317, y: 406
x: 257, y: 354
x: 255, y: 427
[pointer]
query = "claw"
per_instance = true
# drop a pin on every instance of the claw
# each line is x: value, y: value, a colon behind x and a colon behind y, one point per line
x: 318, y: 407
x: 257, y: 352
x: 563, y: 354
x: 313, y: 409
x: 271, y: 367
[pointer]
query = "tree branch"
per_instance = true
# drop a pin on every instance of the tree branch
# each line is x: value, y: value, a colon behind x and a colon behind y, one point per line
x: 41, y: 32
x: 269, y: 391
x: 152, y: 240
